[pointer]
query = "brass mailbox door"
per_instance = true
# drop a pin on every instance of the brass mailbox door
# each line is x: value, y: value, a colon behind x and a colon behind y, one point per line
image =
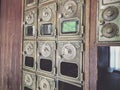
x: 108, y: 24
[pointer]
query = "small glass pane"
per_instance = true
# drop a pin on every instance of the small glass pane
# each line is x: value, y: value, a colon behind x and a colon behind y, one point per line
x: 69, y: 69
x: 29, y: 31
x: 29, y: 61
x: 46, y: 29
x: 29, y: 1
x: 69, y: 26
x: 46, y: 65
x: 26, y: 88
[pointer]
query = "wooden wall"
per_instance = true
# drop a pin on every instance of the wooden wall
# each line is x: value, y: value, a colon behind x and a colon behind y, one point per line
x: 10, y: 44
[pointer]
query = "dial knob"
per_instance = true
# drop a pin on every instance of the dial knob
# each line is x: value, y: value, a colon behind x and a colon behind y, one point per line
x: 29, y: 18
x: 46, y: 14
x: 44, y: 85
x: 69, y: 9
x: 28, y: 80
x: 110, y: 30
x: 68, y: 51
x: 46, y: 50
x: 110, y: 13
x: 29, y: 49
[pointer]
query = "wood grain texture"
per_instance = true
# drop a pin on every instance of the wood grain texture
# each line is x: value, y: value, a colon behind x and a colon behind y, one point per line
x: 87, y: 45
x: 93, y: 46
x: 10, y: 44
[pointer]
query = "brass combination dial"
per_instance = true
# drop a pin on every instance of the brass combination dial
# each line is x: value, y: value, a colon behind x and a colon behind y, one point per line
x: 44, y: 85
x: 29, y: 18
x: 69, y: 9
x: 109, y: 30
x: 28, y: 80
x: 46, y: 50
x: 110, y: 13
x: 46, y: 14
x: 69, y: 52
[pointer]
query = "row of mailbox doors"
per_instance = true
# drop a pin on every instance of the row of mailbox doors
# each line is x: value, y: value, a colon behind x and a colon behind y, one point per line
x: 53, y: 47
x: 64, y: 61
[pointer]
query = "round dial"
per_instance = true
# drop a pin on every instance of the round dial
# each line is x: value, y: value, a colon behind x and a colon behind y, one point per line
x: 110, y: 13
x: 46, y: 50
x: 29, y: 49
x: 44, y: 85
x: 46, y: 14
x: 69, y: 51
x: 28, y: 80
x: 29, y: 18
x: 69, y: 9
x: 110, y: 30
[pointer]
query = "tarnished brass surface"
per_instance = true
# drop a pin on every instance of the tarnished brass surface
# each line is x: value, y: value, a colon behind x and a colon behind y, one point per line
x: 45, y: 83
x: 108, y: 24
x: 29, y: 80
x: 28, y: 4
x: 53, y: 38
x: 30, y: 24
x: 47, y: 51
x: 72, y: 53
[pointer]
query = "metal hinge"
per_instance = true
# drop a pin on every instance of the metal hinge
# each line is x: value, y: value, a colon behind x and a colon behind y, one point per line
x: 82, y: 47
x: 82, y: 29
x: 82, y: 76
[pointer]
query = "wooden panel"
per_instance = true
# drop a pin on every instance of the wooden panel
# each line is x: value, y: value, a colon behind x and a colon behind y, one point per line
x: 87, y: 45
x: 93, y: 46
x: 10, y: 44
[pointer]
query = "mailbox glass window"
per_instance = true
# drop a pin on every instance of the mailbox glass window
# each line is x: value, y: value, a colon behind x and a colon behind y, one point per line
x: 29, y: 1
x: 69, y: 26
x: 29, y: 61
x: 46, y: 29
x: 69, y: 69
x: 29, y: 31
x: 46, y: 64
x: 26, y: 88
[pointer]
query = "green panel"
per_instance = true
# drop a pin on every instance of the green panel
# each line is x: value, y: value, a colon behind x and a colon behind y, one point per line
x: 69, y: 27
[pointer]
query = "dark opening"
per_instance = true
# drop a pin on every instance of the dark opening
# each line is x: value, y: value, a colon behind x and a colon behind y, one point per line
x: 69, y: 69
x: 69, y: 26
x: 29, y: 61
x: 29, y: 1
x: 46, y: 64
x: 46, y: 29
x: 26, y: 88
x: 29, y: 31
x: 67, y: 86
x: 107, y: 79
